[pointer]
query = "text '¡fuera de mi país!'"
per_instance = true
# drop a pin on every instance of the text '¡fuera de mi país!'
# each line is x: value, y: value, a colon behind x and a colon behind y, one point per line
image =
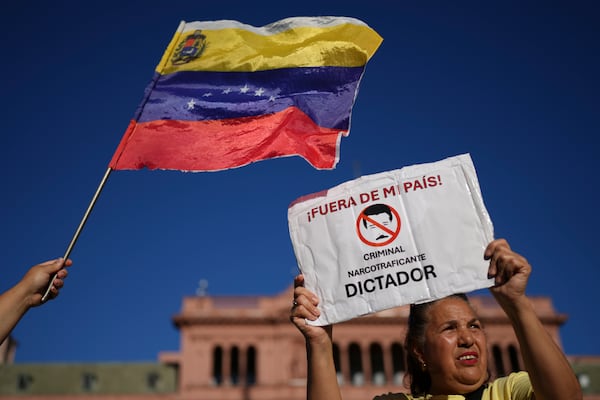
x: 425, y: 182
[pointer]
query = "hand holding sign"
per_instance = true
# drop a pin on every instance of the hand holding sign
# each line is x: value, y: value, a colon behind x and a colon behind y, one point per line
x: 393, y: 238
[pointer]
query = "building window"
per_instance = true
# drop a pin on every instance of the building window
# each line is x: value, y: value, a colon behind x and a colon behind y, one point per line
x: 235, y: 365
x: 24, y: 382
x: 152, y: 380
x: 398, y: 363
x: 218, y: 366
x: 89, y: 382
x: 356, y: 368
x: 378, y: 374
x: 251, y: 366
x: 498, y: 362
x: 514, y: 358
x: 337, y: 364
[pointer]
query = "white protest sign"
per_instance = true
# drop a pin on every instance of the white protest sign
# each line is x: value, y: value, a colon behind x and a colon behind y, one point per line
x: 393, y: 238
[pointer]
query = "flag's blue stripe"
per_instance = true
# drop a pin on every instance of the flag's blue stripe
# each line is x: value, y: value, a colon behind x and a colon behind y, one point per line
x: 325, y: 94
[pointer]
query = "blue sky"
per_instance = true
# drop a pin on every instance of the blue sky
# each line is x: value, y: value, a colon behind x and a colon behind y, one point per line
x: 515, y: 84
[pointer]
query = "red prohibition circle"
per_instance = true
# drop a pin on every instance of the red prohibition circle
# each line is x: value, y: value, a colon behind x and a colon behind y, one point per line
x: 393, y: 234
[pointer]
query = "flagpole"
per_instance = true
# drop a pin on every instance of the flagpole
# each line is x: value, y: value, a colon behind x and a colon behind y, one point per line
x: 79, y: 228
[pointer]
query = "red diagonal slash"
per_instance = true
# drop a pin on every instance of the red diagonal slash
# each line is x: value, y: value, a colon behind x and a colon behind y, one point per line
x: 377, y: 224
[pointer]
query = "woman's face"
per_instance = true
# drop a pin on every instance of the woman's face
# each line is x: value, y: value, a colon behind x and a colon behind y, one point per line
x: 455, y: 348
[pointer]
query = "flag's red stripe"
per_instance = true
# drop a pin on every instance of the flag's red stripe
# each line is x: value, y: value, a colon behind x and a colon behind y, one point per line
x: 222, y: 144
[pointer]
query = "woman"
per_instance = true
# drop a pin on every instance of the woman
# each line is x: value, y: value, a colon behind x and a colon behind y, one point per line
x: 446, y: 345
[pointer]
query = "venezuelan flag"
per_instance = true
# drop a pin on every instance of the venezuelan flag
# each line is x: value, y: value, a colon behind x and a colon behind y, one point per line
x: 226, y: 94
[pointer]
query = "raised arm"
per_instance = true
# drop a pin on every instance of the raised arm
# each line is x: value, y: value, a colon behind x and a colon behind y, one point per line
x: 550, y: 373
x: 28, y: 292
x: 322, y: 380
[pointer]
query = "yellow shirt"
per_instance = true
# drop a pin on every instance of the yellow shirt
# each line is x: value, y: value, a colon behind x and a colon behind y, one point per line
x: 515, y: 386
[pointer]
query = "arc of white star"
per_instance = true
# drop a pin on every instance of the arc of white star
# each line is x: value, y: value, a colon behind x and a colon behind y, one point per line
x: 244, y: 89
x: 191, y: 104
x: 271, y: 98
x: 207, y: 95
x: 226, y: 91
x: 259, y: 92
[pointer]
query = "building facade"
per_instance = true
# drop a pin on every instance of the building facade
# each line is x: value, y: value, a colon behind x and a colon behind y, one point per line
x: 245, y: 348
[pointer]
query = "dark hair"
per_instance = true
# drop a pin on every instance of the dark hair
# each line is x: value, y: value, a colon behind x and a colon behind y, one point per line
x: 416, y: 378
x: 377, y: 209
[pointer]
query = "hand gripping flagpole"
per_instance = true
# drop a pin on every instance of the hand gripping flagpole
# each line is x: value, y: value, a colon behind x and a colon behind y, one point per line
x: 79, y: 229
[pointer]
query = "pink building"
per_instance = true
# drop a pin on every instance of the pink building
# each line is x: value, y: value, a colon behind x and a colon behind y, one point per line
x: 246, y: 348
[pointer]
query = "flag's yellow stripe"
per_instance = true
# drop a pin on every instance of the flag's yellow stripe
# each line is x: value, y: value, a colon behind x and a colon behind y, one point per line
x: 235, y: 49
